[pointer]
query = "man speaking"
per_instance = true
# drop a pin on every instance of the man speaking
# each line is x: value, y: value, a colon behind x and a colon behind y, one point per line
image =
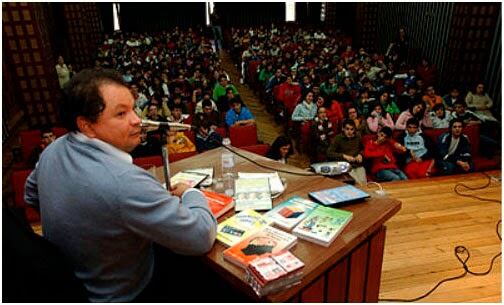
x: 102, y: 211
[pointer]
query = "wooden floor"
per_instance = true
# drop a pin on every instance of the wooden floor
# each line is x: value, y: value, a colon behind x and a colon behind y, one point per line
x: 419, y: 249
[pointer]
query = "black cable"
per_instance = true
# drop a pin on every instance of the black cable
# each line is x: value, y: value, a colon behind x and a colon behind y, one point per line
x: 461, y: 250
x: 269, y: 167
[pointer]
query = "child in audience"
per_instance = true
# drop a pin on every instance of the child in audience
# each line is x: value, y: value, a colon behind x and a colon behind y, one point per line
x: 378, y: 119
x: 440, y: 117
x: 419, y: 160
x: 454, y: 150
x: 281, y: 149
x: 381, y: 153
x: 416, y: 110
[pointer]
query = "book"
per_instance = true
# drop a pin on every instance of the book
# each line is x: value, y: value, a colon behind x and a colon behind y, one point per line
x: 239, y: 226
x: 288, y: 214
x: 338, y: 195
x: 273, y: 267
x: 218, y: 203
x: 204, y: 170
x: 322, y: 225
x: 253, y: 193
x: 267, y: 241
x: 274, y: 273
x: 191, y: 179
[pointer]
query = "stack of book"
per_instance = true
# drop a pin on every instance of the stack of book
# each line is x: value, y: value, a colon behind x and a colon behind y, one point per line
x: 262, y: 243
x: 275, y: 272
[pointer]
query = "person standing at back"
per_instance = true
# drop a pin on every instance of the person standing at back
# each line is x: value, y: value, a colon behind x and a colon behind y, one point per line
x: 100, y: 210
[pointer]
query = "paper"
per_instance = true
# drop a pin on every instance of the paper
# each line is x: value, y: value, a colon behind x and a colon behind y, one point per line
x: 276, y: 185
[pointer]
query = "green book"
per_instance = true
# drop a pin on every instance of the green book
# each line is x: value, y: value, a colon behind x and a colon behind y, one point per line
x: 322, y: 225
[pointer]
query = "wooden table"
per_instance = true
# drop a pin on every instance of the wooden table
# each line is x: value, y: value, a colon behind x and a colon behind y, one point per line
x: 347, y: 271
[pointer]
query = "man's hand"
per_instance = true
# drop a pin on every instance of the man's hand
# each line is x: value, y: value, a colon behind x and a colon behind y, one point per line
x: 348, y: 158
x: 178, y: 189
x: 358, y: 158
x: 464, y: 165
x: 400, y: 147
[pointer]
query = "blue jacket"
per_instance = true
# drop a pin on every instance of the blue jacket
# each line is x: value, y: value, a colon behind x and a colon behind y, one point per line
x: 232, y: 116
x: 104, y: 213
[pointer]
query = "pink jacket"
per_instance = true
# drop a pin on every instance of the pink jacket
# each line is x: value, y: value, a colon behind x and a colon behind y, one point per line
x: 406, y: 115
x: 373, y: 122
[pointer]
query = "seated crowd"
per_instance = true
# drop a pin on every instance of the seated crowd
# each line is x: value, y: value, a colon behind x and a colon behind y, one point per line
x: 371, y: 110
x: 317, y: 85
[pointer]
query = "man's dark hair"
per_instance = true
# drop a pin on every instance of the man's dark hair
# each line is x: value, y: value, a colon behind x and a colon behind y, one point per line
x: 233, y: 101
x: 229, y: 90
x: 438, y: 106
x: 82, y: 96
x: 387, y: 131
x: 412, y: 121
x: 349, y: 122
x: 46, y: 128
x: 206, y: 103
x: 177, y: 106
x: 460, y: 102
x: 455, y: 120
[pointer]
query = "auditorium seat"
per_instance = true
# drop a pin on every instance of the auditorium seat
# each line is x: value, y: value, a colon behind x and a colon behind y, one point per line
x: 179, y: 156
x: 18, y: 180
x: 29, y: 139
x: 152, y: 160
x: 260, y: 149
x: 243, y: 135
x: 222, y: 131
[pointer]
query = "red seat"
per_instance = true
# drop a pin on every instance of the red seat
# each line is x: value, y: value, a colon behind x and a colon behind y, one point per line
x: 151, y: 160
x: 59, y: 131
x: 260, y: 149
x: 179, y: 156
x: 243, y: 135
x: 221, y: 131
x: 29, y: 139
x: 18, y: 180
x: 190, y: 135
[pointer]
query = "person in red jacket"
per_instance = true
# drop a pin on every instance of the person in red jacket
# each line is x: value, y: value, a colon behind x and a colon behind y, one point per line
x: 381, y: 152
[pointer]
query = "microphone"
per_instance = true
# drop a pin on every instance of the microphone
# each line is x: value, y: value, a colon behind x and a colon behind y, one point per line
x: 165, y: 125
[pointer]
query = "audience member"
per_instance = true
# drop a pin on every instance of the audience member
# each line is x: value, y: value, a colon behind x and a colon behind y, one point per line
x: 420, y: 158
x: 454, y: 150
x: 46, y: 138
x: 347, y: 146
x: 451, y: 98
x: 207, y: 138
x: 178, y: 142
x: 208, y: 114
x: 321, y: 132
x: 416, y: 110
x: 149, y: 146
x: 431, y: 98
x: 281, y: 149
x: 238, y: 115
x: 381, y: 153
x: 378, y: 119
x: 479, y: 102
x: 62, y: 71
x: 440, y: 117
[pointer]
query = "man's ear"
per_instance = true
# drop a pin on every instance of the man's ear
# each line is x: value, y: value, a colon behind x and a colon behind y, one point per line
x: 85, y: 127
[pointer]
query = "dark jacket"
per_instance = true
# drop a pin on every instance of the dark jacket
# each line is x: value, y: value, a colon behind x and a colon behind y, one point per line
x: 462, y: 153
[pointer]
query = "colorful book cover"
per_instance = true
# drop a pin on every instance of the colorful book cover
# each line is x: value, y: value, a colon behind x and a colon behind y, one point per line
x: 191, y: 179
x: 323, y: 224
x: 218, y: 203
x: 289, y: 213
x: 262, y: 243
x: 253, y: 193
x: 275, y: 266
x: 209, y: 171
x: 338, y: 195
x: 239, y: 226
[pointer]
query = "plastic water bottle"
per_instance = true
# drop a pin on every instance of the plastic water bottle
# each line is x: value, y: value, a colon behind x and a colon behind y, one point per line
x: 227, y: 162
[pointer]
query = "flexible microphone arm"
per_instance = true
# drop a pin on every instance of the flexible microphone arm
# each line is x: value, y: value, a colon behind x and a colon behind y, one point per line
x: 166, y: 125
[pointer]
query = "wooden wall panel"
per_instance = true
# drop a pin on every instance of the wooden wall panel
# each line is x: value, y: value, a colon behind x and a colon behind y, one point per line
x: 374, y: 268
x: 315, y: 292
x: 85, y: 32
x: 28, y: 54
